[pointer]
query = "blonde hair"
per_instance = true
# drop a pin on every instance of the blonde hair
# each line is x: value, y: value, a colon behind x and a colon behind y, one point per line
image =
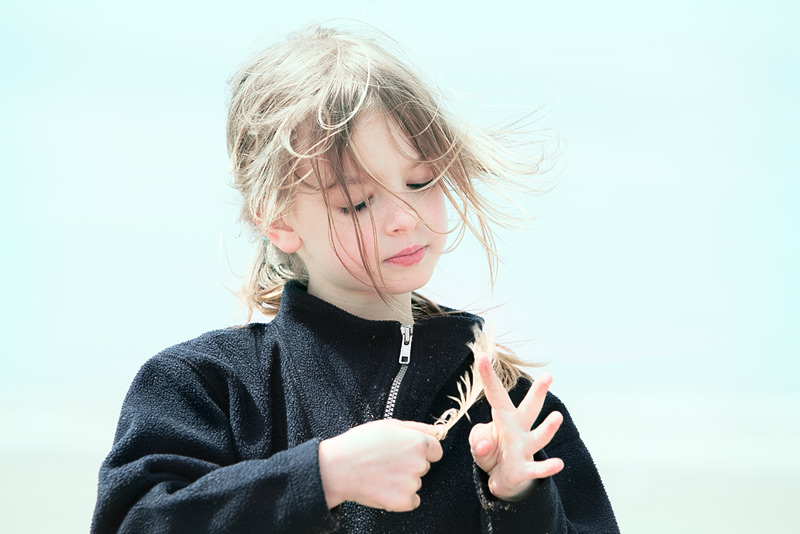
x: 299, y: 101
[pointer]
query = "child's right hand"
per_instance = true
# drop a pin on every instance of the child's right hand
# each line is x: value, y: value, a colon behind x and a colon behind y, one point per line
x: 379, y: 464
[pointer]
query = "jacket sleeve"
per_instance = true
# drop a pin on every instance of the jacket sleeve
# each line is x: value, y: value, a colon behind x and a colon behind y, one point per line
x: 573, y: 501
x: 174, y: 466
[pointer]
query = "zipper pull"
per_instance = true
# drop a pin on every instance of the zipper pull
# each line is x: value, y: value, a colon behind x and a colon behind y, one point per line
x: 405, y: 347
x: 405, y: 356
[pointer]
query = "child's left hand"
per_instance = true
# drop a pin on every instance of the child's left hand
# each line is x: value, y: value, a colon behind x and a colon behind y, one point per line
x: 505, y: 447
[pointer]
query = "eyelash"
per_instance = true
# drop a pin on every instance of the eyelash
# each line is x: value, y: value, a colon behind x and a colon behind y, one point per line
x: 357, y: 208
x: 360, y: 207
x: 419, y: 186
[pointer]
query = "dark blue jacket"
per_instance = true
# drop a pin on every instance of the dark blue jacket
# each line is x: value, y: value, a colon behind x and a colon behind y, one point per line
x: 221, y: 433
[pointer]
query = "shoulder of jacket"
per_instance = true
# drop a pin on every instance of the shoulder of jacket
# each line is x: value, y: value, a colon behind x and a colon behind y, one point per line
x: 225, y: 348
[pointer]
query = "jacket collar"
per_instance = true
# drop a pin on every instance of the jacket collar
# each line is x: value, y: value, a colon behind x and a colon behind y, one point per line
x: 331, y: 346
x: 298, y: 306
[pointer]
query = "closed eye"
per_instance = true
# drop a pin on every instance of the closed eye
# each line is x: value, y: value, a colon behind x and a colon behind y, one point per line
x: 357, y: 208
x: 419, y: 186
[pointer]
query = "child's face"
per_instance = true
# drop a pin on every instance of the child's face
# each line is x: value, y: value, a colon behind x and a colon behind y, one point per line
x: 403, y: 247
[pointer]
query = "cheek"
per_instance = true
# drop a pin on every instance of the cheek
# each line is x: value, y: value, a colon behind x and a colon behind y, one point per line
x: 347, y: 244
x: 438, y: 220
x: 436, y: 210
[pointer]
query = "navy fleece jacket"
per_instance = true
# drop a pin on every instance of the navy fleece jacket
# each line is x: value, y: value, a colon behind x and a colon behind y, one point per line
x: 221, y: 433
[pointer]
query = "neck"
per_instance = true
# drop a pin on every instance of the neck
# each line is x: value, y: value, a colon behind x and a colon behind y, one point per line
x: 367, y: 304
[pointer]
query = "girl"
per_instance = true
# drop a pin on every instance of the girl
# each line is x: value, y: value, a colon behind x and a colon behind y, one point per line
x: 322, y: 419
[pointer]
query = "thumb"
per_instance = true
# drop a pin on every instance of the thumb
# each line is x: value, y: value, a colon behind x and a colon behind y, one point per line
x: 430, y: 430
x: 433, y: 447
x: 483, y: 445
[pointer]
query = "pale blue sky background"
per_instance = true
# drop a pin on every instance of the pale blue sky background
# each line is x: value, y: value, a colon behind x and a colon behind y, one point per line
x: 660, y: 277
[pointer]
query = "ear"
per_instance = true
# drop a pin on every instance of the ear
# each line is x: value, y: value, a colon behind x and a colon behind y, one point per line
x: 284, y: 236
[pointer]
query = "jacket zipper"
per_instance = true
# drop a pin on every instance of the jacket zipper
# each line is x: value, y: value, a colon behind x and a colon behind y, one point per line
x: 407, y: 332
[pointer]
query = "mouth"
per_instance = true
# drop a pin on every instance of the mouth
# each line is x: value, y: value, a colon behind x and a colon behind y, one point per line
x: 409, y: 256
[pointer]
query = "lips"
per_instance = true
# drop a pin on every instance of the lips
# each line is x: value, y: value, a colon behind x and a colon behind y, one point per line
x: 408, y: 256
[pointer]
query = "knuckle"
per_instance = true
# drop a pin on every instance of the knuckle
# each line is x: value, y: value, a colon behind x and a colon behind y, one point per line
x: 421, y: 446
x: 426, y: 468
x: 419, y: 467
x: 397, y: 505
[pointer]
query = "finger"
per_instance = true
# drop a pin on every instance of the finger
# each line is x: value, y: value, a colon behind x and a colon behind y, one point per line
x: 480, y: 432
x: 543, y: 469
x: 543, y: 434
x: 483, y: 446
x: 412, y: 503
x: 532, y: 404
x: 424, y: 472
x: 434, y: 451
x: 492, y: 386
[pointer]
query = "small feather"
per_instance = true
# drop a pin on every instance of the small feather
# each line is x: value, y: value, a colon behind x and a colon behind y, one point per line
x: 470, y: 387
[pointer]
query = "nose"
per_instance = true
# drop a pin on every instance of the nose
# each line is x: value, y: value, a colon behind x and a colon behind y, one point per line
x: 401, y: 218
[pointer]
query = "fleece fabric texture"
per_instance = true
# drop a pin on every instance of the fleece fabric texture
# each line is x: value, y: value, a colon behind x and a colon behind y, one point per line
x: 221, y: 433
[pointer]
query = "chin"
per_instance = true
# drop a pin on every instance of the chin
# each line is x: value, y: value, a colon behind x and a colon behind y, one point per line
x: 409, y: 284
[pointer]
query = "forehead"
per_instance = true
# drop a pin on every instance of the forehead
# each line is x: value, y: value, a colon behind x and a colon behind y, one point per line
x: 379, y: 134
x: 377, y: 150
